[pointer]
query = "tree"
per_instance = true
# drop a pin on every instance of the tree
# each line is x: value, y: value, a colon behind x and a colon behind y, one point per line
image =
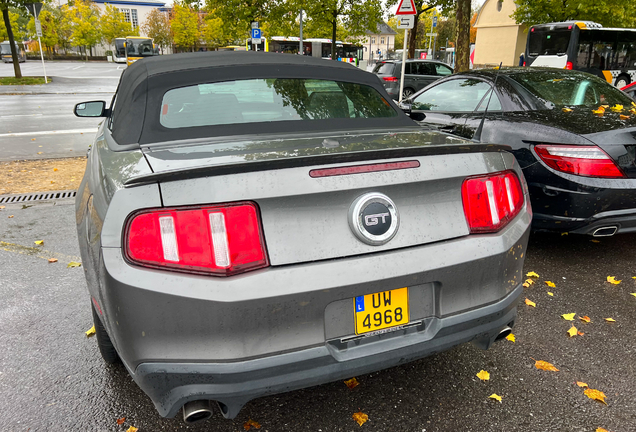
x: 85, y: 18
x: 49, y: 26
x: 212, y: 31
x: 237, y: 15
x: 113, y: 25
x: 4, y: 8
x: 357, y: 16
x: 185, y: 25
x: 157, y: 26
x: 609, y: 13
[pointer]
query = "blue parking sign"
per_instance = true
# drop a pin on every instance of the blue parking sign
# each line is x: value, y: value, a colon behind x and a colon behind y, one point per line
x: 435, y: 21
x: 256, y: 33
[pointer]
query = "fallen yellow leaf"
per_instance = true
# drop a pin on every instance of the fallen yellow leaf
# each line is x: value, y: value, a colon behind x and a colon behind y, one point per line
x: 601, y: 430
x: 530, y: 303
x: 10, y: 216
x: 52, y: 260
x: 352, y: 383
x: 585, y: 319
x: 511, y: 338
x: 623, y: 117
x: 634, y: 294
x: 1, y: 207
x: 251, y: 424
x: 550, y: 284
x: 483, y: 375
x: 132, y: 429
x: 39, y: 242
x: 596, y: 395
x: 496, y: 397
x: 610, y: 320
x: 73, y: 264
x: 90, y: 332
x: 564, y: 233
x: 543, y: 365
x: 569, y: 316
x: 617, y: 108
x: 54, y: 169
x: 612, y: 280
x: 566, y: 110
x: 526, y: 285
x: 580, y: 333
x: 551, y: 294
x: 532, y: 274
x: 120, y: 421
x: 599, y: 112
x: 581, y: 384
x: 572, y: 331
x: 360, y: 417
x: 529, y: 281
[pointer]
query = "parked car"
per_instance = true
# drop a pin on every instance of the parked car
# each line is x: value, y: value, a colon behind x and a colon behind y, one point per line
x: 573, y: 134
x: 253, y: 223
x: 417, y: 75
x: 630, y: 89
x: 5, y: 52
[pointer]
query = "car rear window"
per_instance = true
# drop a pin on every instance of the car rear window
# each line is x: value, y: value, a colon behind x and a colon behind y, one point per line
x: 571, y: 89
x: 384, y: 68
x: 270, y: 100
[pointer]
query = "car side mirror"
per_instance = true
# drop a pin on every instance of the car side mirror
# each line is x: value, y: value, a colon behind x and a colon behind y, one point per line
x: 91, y: 109
x: 407, y: 107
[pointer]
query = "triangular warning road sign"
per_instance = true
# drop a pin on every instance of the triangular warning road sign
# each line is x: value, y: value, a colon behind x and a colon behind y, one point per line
x: 406, y: 7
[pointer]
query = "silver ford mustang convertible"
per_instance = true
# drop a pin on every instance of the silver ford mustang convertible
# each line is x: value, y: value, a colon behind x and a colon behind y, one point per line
x: 254, y: 223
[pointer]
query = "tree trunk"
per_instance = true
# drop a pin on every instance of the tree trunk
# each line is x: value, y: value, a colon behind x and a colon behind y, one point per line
x: 462, y: 46
x: 14, y: 53
x: 333, y: 39
x: 413, y: 37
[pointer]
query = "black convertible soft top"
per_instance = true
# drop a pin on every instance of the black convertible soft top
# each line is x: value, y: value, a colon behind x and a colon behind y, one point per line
x: 136, y: 118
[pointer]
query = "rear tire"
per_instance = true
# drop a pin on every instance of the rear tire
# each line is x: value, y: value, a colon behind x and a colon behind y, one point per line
x: 622, y: 81
x: 106, y: 347
x: 407, y: 93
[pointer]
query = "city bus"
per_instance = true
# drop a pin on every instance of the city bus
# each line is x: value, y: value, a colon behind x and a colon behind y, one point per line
x: 314, y: 47
x: 609, y: 53
x: 119, y: 53
x: 138, y: 47
x: 5, y: 52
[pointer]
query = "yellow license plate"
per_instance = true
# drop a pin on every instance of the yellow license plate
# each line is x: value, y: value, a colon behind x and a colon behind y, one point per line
x: 381, y: 310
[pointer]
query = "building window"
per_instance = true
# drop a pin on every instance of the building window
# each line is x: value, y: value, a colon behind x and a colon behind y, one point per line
x: 134, y: 19
x: 382, y: 41
x: 130, y: 15
x: 372, y: 40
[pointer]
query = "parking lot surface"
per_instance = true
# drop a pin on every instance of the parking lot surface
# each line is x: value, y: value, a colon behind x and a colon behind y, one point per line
x: 52, y: 377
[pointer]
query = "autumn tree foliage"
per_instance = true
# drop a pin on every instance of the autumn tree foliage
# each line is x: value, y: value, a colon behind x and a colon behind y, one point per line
x: 184, y: 24
x: 157, y: 27
x: 113, y: 25
x: 85, y: 19
x: 609, y: 13
x: 6, y: 19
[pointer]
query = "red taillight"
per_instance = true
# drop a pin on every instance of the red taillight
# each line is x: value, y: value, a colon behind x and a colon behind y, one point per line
x: 222, y: 240
x: 587, y: 161
x: 491, y: 201
x: 524, y: 64
x: 569, y: 66
x: 390, y: 79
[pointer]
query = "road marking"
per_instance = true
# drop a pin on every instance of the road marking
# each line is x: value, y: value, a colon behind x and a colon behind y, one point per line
x: 37, y: 252
x: 88, y: 77
x: 55, y: 132
x: 76, y: 68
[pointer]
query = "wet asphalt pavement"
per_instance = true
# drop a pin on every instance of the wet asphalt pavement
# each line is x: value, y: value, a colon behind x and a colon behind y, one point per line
x: 52, y: 376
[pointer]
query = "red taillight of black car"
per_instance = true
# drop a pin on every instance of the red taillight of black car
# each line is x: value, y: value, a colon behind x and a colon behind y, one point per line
x: 220, y: 240
x: 390, y: 79
x: 491, y: 201
x: 587, y: 161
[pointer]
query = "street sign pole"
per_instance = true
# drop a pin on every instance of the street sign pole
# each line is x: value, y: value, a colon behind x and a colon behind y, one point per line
x: 301, y: 51
x: 406, y: 7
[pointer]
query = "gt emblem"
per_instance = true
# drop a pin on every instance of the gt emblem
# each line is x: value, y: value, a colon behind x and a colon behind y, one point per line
x: 373, y: 218
x: 370, y: 220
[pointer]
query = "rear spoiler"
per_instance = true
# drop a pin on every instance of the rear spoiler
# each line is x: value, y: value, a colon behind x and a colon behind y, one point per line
x: 324, y: 159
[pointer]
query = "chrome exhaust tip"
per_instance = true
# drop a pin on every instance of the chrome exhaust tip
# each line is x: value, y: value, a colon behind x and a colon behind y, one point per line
x: 196, y: 411
x: 503, y: 333
x: 607, y: 231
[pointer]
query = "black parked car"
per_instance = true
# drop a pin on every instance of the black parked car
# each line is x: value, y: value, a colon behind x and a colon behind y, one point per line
x: 573, y: 134
x: 417, y: 75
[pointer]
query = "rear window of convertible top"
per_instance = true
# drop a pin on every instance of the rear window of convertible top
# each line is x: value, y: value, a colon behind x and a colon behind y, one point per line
x: 268, y: 100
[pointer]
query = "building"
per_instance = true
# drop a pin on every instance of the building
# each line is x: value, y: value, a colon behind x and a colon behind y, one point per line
x: 499, y: 38
x: 377, y: 45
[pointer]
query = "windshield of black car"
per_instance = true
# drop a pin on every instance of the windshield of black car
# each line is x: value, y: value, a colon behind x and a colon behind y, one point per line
x: 548, y: 42
x: 270, y: 100
x: 139, y: 47
x: 570, y: 89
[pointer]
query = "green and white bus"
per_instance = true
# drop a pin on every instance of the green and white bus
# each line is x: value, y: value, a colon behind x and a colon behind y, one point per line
x: 609, y: 53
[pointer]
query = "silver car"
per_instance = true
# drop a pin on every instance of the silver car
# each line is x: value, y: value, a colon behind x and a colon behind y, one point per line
x: 255, y: 223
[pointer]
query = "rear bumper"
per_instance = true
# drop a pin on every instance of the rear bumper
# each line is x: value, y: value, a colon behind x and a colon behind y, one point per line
x: 623, y: 220
x: 171, y: 385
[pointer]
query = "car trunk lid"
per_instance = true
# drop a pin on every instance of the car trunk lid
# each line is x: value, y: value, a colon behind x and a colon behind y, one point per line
x: 307, y: 218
